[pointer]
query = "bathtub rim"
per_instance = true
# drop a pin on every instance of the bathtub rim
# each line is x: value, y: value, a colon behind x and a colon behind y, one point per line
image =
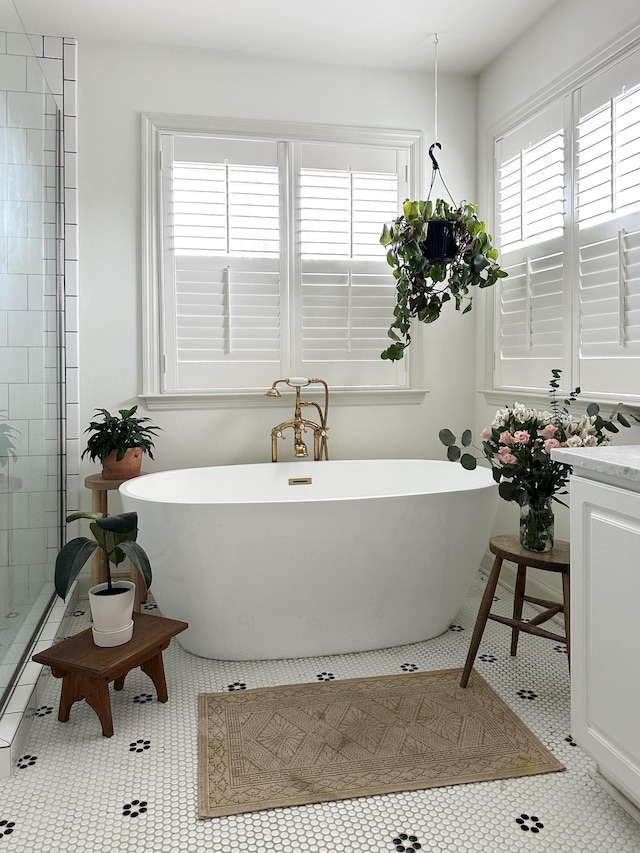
x: 128, y: 488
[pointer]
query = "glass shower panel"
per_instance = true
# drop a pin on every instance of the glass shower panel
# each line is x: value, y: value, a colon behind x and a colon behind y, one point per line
x: 31, y: 459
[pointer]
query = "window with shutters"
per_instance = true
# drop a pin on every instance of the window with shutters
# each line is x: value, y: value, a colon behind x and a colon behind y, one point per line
x: 265, y: 259
x: 568, y: 221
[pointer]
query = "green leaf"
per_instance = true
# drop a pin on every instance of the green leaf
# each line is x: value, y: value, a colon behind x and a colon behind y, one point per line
x: 506, y: 490
x: 125, y: 523
x: 622, y: 420
x: 92, y: 516
x: 453, y: 453
x: 69, y: 562
x: 468, y: 461
x: 466, y: 438
x: 593, y: 409
x: 447, y: 437
x: 138, y: 559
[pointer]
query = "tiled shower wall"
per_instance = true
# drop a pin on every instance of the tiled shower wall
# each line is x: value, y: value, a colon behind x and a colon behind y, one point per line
x: 35, y: 350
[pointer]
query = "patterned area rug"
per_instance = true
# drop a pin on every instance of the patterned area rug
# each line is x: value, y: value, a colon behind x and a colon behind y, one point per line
x: 310, y: 743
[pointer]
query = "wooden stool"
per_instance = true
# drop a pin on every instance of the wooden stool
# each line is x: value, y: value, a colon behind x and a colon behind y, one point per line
x: 99, y: 503
x: 87, y: 670
x: 555, y: 560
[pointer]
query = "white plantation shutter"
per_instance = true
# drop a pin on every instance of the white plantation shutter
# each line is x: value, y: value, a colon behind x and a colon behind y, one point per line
x: 608, y: 216
x: 531, y: 304
x: 222, y: 254
x: 347, y: 293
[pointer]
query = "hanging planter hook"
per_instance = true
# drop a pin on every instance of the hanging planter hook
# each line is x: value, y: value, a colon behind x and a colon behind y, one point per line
x: 433, y: 159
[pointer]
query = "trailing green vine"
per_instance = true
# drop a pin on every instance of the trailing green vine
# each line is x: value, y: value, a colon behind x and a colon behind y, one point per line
x: 423, y: 286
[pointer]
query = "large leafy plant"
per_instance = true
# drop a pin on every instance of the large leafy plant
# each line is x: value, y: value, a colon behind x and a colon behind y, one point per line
x: 423, y: 284
x: 115, y: 534
x: 120, y: 433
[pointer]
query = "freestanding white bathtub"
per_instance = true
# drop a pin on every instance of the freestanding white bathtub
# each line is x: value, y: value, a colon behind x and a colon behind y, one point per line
x: 369, y: 554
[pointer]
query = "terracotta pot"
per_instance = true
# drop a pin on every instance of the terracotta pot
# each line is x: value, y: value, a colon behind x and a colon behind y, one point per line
x: 126, y: 468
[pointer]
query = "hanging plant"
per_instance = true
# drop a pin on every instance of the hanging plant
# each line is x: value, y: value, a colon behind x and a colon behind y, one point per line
x: 432, y: 270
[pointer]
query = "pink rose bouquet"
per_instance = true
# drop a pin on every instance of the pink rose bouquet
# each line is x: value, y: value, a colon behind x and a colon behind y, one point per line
x: 519, y: 441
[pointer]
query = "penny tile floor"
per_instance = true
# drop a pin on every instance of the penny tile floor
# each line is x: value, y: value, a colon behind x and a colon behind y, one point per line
x: 74, y: 791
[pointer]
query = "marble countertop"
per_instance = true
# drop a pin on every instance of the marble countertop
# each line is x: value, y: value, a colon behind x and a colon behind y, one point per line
x: 618, y: 461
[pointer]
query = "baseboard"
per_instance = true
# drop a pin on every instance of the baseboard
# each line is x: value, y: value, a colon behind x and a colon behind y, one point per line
x: 616, y: 794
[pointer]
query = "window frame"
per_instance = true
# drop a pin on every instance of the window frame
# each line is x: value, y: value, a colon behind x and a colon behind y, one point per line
x: 153, y: 125
x: 567, y: 90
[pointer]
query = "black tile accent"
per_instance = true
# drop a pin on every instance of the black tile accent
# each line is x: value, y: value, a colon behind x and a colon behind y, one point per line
x: 43, y: 711
x: 325, y: 676
x: 134, y: 808
x: 408, y: 667
x: 488, y: 658
x: 237, y: 685
x: 527, y: 694
x: 6, y: 827
x: 26, y: 761
x: 405, y: 843
x: 529, y: 823
x: 143, y: 698
x: 456, y: 628
x: 139, y: 745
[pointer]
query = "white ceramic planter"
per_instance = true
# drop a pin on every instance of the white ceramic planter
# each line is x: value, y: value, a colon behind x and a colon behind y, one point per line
x: 111, y: 614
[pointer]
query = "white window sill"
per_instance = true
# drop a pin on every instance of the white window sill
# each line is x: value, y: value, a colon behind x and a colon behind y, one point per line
x: 255, y: 399
x: 542, y: 400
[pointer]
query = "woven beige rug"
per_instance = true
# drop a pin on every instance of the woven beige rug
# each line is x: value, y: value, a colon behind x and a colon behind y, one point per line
x: 309, y: 743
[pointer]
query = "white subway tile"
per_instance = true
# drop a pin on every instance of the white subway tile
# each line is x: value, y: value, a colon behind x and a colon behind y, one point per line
x: 71, y: 349
x: 27, y: 546
x: 22, y: 45
x: 13, y: 72
x: 26, y: 401
x: 13, y: 292
x: 24, y: 109
x: 14, y: 364
x: 53, y: 47
x: 26, y: 328
x: 13, y: 144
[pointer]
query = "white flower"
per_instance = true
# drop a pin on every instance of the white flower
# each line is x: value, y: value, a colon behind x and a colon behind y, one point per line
x: 590, y: 441
x: 545, y: 418
x: 574, y: 441
x: 500, y: 418
x: 523, y: 413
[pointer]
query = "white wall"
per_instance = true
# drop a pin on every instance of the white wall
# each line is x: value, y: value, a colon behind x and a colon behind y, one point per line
x: 117, y: 82
x: 569, y: 33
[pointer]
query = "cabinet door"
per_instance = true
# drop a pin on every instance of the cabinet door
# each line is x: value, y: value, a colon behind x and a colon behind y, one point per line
x: 605, y: 651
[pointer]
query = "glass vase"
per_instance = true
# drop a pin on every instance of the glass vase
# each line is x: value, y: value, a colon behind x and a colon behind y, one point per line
x: 536, y: 525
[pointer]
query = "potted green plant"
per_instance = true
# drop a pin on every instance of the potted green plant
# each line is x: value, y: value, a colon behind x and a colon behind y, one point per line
x: 438, y: 252
x: 111, y: 602
x: 119, y: 442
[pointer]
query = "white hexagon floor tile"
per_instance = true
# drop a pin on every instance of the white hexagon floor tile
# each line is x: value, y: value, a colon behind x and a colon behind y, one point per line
x: 74, y: 791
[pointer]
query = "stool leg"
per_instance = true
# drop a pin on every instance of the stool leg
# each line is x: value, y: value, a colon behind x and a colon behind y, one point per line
x: 481, y: 620
x: 566, y: 598
x: 518, y: 601
x: 154, y: 668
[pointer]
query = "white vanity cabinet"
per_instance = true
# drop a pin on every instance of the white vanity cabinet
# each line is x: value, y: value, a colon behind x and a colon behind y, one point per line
x: 605, y: 611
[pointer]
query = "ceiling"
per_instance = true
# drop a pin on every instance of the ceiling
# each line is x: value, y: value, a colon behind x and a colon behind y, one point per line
x: 379, y: 33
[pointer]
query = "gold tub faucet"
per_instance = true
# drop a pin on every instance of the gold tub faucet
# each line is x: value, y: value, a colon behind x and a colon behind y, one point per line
x: 298, y: 424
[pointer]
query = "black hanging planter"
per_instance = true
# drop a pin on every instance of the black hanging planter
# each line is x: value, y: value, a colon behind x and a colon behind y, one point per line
x: 441, y: 243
